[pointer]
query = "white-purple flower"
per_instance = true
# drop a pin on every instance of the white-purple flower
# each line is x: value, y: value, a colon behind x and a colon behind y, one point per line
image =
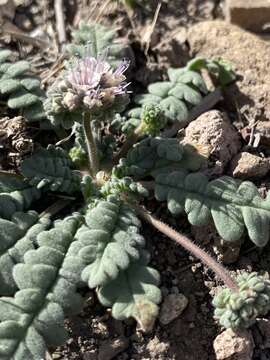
x: 93, y: 83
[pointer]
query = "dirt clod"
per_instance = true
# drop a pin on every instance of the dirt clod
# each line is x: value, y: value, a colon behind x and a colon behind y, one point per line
x: 172, y: 307
x: 234, y: 346
x: 213, y: 131
x: 246, y: 165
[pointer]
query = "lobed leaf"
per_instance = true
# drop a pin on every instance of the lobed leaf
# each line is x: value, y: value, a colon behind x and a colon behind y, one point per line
x: 232, y: 205
x: 17, y: 200
x: 153, y: 156
x: 51, y: 169
x: 176, y: 96
x: 134, y: 293
x: 34, y: 318
x: 19, y: 87
x: 110, y: 241
x: 17, y: 236
x: 189, y: 77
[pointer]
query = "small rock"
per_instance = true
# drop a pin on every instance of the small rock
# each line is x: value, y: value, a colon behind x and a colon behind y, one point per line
x: 172, y: 307
x: 246, y: 165
x: 213, y: 134
x: 230, y: 345
x: 249, y: 14
x: 157, y: 348
x: 109, y: 349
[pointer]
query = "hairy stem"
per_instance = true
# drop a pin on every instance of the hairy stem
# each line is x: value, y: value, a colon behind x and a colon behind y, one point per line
x: 184, y: 241
x: 130, y: 141
x: 91, y: 145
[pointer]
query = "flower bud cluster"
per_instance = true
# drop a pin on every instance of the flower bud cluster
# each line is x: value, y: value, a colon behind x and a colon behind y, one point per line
x: 152, y: 119
x: 90, y: 85
x: 240, y: 309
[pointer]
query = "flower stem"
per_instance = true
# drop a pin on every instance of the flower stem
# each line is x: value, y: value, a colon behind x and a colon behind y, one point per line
x: 91, y: 145
x: 184, y: 241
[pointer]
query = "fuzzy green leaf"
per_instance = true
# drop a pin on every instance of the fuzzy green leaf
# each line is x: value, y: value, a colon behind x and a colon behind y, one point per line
x: 34, y: 318
x: 153, y: 156
x: 147, y: 98
x: 30, y: 83
x: 17, y: 236
x: 4, y: 55
x: 174, y: 109
x: 8, y: 86
x: 110, y: 240
x: 22, y: 98
x: 134, y: 293
x: 174, y: 97
x: 219, y: 68
x: 34, y: 112
x: 21, y: 89
x: 232, y: 205
x: 19, y: 68
x: 186, y: 93
x: 17, y: 200
x: 187, y: 77
x: 51, y: 168
x: 160, y: 88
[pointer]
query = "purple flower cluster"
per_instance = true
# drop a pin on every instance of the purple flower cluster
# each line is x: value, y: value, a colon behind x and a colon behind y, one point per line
x: 92, y: 84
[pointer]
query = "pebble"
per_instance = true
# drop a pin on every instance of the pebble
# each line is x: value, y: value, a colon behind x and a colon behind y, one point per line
x: 215, y: 138
x: 246, y: 165
x: 230, y: 345
x: 172, y: 308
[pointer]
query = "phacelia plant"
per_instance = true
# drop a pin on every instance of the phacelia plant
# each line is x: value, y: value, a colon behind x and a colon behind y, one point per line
x: 99, y: 244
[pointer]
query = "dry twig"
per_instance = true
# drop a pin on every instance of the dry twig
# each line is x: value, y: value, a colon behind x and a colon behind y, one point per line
x: 60, y: 21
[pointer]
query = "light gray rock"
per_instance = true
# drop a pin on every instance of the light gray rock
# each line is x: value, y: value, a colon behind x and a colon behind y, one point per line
x: 230, y: 345
x: 215, y: 138
x: 172, y: 307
